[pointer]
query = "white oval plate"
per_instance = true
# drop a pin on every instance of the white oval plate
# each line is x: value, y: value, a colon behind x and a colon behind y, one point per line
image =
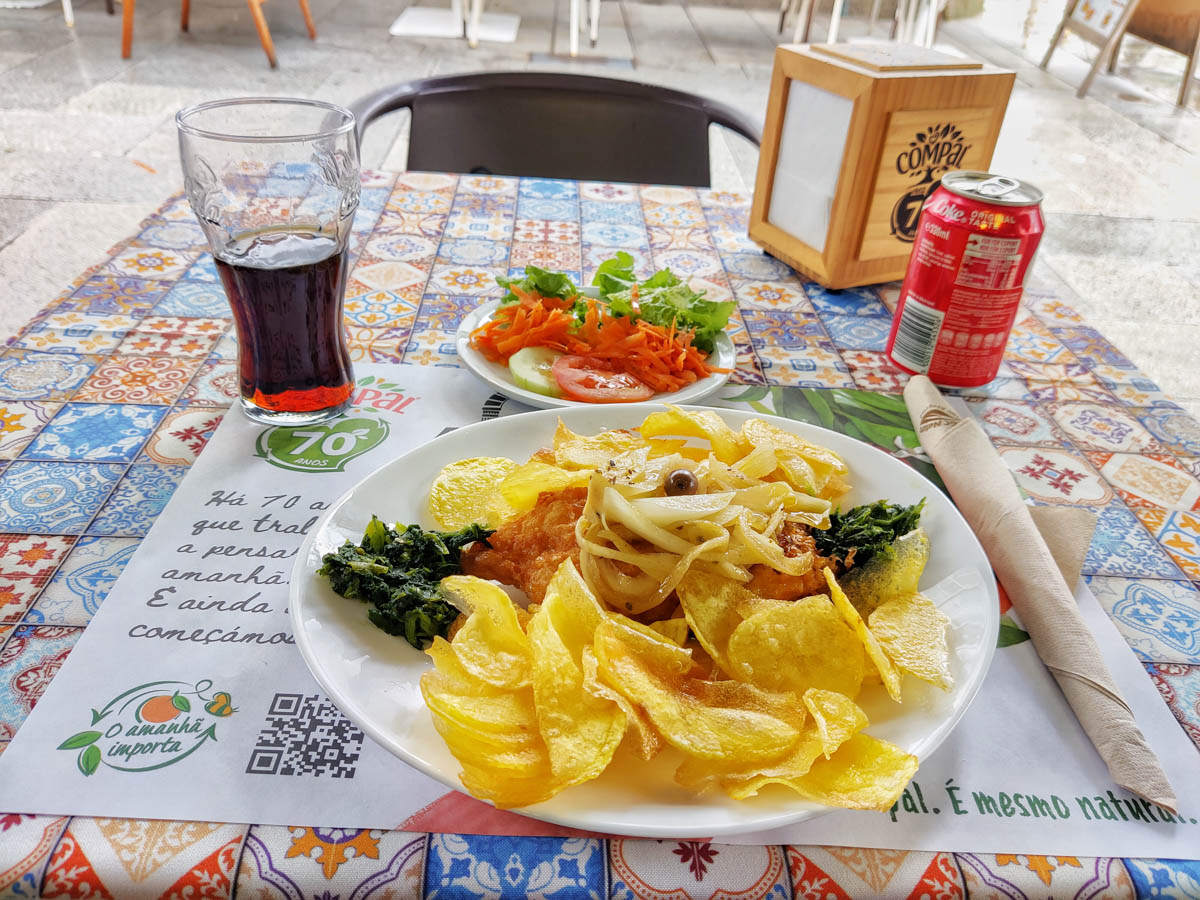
x: 498, y: 376
x: 373, y: 676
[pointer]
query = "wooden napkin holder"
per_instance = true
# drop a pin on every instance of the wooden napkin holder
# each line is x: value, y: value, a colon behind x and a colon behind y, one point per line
x: 856, y: 137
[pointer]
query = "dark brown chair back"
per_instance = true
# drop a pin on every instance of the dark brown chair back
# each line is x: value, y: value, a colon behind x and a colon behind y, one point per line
x: 556, y: 126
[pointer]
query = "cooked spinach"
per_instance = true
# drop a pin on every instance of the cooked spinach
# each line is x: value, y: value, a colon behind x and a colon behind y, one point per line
x: 866, y: 530
x: 397, y: 572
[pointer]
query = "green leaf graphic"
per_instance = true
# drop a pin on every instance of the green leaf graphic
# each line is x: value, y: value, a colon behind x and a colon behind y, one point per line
x: 370, y: 379
x: 89, y: 760
x: 325, y: 447
x: 1010, y: 633
x: 180, y: 702
x: 75, y: 741
x: 751, y: 394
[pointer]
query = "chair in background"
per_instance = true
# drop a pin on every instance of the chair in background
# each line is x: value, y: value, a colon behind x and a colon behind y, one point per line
x: 260, y: 23
x: 557, y: 126
x: 914, y: 21
x: 1174, y: 24
x: 593, y: 22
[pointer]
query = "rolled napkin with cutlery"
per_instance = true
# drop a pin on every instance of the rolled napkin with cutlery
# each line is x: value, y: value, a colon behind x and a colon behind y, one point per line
x: 987, y: 496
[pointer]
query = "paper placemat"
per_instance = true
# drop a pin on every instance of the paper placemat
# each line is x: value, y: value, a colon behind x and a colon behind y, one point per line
x: 186, y: 697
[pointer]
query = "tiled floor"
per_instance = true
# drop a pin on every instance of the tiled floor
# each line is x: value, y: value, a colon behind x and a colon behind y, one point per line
x: 87, y: 143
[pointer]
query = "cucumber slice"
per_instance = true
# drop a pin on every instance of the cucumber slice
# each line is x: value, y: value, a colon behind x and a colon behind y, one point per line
x: 530, y: 369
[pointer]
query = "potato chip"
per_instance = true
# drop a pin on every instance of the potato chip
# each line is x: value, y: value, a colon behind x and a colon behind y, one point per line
x: 886, y: 576
x: 711, y: 606
x: 630, y: 662
x: 887, y: 671
x: 675, y: 447
x: 575, y: 611
x: 498, y: 712
x: 522, y: 486
x: 836, y: 717
x: 506, y: 791
x: 465, y: 492
x: 665, y: 446
x: 446, y: 661
x: 864, y: 773
x: 797, y: 646
x: 673, y: 629
x: 726, y: 445
x: 822, y: 459
x: 518, y: 760
x: 580, y: 729
x: 740, y: 779
x: 912, y: 632
x: 577, y: 451
x: 784, y: 706
x: 491, y: 644
x: 640, y: 734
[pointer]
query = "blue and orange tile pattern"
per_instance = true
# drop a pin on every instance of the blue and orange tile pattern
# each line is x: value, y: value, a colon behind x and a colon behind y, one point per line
x: 112, y: 391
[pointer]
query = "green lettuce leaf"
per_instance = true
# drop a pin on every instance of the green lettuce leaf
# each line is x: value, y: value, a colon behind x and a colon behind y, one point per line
x: 615, y: 274
x: 538, y: 281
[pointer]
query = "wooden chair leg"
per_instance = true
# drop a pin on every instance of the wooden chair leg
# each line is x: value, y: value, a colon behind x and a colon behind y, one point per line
x: 1189, y: 72
x: 1058, y: 33
x: 68, y: 13
x: 1101, y: 59
x: 1112, y: 60
x: 127, y: 29
x: 264, y: 33
x: 183, y: 14
x: 308, y: 19
x: 110, y: 7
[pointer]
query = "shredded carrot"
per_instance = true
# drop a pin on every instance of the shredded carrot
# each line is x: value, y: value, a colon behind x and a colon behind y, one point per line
x: 662, y: 358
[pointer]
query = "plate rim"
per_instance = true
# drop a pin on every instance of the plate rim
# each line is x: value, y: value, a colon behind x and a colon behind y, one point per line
x: 769, y: 821
x: 471, y: 359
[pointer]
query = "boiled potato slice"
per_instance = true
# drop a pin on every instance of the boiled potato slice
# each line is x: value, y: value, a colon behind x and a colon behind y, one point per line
x: 466, y: 492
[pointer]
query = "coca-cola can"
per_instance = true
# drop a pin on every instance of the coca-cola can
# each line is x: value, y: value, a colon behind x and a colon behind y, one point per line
x: 975, y: 240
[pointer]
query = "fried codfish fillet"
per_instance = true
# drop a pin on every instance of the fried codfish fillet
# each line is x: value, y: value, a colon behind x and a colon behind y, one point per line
x: 796, y: 539
x: 527, y: 551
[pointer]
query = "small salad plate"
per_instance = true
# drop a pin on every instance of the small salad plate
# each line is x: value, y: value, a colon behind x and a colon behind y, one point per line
x: 499, y: 376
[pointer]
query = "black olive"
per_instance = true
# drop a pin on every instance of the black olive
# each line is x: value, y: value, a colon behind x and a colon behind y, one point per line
x: 681, y: 481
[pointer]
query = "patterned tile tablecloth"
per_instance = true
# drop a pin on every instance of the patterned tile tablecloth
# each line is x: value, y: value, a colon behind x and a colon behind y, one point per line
x: 110, y: 393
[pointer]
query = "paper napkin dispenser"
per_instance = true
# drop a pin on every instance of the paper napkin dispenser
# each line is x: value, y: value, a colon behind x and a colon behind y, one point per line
x: 856, y: 137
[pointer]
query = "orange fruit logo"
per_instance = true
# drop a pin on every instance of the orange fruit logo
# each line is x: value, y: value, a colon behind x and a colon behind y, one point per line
x: 163, y: 708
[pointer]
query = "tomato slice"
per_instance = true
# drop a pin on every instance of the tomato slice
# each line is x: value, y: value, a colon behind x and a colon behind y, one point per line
x: 597, y: 381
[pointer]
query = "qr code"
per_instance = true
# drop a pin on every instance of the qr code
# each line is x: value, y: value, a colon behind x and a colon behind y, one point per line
x: 306, y: 736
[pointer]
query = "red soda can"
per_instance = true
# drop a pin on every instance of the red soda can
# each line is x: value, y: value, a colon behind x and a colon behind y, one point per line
x: 975, y: 240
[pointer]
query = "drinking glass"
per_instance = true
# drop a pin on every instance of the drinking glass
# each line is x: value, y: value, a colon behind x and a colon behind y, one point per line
x: 275, y: 183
